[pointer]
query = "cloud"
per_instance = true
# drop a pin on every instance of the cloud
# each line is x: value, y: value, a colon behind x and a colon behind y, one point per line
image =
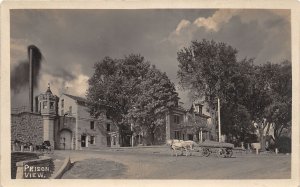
x: 214, y: 22
x: 183, y: 24
x: 78, y: 86
x: 59, y: 84
x: 262, y: 34
x: 186, y: 30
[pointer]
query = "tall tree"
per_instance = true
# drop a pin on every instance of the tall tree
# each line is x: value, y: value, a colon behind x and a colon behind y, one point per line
x: 248, y: 92
x: 132, y: 92
x: 114, y: 86
x: 208, y: 69
x: 279, y: 85
x: 157, y: 95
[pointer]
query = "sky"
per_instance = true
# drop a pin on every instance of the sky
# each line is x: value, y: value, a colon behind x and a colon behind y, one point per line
x: 72, y: 41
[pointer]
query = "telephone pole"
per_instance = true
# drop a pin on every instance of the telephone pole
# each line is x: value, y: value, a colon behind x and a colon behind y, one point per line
x: 219, y: 119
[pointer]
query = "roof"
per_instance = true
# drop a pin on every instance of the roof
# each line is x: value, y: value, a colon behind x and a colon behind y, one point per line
x: 76, y: 98
x: 203, y: 115
x: 48, y: 91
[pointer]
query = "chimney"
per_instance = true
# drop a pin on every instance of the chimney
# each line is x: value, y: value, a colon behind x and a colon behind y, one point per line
x: 30, y: 78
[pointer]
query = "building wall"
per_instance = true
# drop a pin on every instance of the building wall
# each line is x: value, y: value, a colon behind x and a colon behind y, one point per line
x: 64, y: 126
x: 172, y: 124
x: 82, y: 121
x: 68, y: 102
x: 211, y: 122
x: 27, y: 127
x: 84, y: 129
x: 174, y: 129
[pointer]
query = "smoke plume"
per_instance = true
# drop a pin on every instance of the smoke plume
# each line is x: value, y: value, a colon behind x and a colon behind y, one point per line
x: 19, y: 78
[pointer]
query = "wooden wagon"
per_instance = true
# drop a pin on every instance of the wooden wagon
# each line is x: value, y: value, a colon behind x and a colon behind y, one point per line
x: 220, y: 149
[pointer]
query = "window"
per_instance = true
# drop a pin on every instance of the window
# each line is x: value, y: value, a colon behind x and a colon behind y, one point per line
x: 51, y: 105
x: 176, y: 119
x: 107, y: 127
x: 70, y: 110
x: 200, y: 109
x: 62, y: 103
x: 177, y: 135
x: 92, y: 123
x: 62, y: 112
x: 93, y: 142
x: 44, y: 104
x: 182, y: 136
x: 190, y: 136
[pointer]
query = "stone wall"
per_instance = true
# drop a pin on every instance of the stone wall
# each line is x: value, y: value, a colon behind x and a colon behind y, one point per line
x: 20, y: 156
x: 27, y: 127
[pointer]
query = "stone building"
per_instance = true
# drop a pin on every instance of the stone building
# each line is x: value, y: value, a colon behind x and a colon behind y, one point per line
x: 65, y: 122
x: 78, y: 130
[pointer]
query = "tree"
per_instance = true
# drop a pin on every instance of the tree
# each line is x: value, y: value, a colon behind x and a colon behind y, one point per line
x: 210, y: 71
x: 278, y: 113
x: 271, y: 99
x: 157, y: 95
x: 249, y: 93
x: 132, y: 92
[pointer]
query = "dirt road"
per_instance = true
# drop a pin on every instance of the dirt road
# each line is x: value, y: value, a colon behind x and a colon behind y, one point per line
x: 153, y: 164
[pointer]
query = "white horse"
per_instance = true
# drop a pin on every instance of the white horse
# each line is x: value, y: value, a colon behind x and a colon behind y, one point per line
x: 181, y: 145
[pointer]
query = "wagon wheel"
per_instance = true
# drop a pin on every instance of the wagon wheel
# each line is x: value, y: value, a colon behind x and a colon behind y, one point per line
x: 50, y: 150
x: 221, y: 152
x: 205, y: 152
x: 229, y: 152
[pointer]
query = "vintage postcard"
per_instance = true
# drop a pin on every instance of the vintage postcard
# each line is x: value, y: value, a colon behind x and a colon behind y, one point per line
x: 150, y: 93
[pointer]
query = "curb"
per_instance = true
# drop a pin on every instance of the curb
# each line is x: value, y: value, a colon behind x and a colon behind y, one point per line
x: 66, y: 166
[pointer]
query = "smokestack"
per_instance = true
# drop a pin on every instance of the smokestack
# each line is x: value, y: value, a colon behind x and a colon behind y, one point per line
x: 30, y: 78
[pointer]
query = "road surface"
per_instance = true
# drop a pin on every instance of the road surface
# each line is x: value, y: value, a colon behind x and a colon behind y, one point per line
x: 159, y: 164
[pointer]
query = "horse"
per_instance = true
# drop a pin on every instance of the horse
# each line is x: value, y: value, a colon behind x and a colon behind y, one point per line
x: 44, y: 146
x: 181, y: 145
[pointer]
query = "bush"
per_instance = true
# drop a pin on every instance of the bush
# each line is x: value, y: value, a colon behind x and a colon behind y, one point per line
x: 284, y: 144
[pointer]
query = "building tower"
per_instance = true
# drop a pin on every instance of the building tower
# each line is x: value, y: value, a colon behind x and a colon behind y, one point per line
x: 48, y: 109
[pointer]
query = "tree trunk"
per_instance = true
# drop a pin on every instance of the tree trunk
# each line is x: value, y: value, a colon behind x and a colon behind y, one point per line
x: 152, y: 137
x: 263, y: 143
x: 262, y: 138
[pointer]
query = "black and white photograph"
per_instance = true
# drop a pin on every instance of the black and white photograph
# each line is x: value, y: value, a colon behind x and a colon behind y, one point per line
x: 151, y: 93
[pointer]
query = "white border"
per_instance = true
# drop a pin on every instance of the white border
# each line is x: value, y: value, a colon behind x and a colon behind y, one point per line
x: 294, y: 5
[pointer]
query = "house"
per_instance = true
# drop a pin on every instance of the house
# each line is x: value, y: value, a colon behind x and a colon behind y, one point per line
x: 190, y: 124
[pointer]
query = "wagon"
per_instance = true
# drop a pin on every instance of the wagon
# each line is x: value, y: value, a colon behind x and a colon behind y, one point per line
x: 220, y: 149
x: 46, y: 145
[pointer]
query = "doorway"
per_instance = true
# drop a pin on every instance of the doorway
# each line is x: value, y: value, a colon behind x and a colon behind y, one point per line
x: 65, y: 139
x: 83, y: 138
x: 108, y: 139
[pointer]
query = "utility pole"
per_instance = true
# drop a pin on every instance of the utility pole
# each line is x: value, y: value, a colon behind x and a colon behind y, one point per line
x: 219, y: 119
x: 132, y: 137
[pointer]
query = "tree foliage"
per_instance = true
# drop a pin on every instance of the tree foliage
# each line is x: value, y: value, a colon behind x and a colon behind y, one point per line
x: 248, y: 93
x: 132, y: 92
